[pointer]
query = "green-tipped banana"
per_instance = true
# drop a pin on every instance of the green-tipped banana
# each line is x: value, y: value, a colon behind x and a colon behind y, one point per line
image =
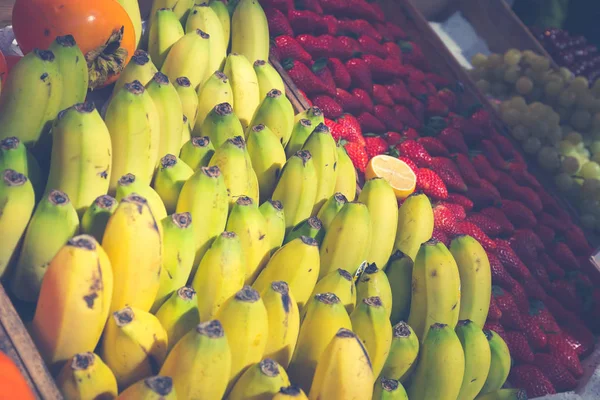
x: 140, y: 68
x: 179, y: 315
x: 268, y: 79
x: 14, y: 155
x: 95, y: 218
x: 186, y: 133
x: 267, y: 157
x: 165, y: 31
x: 244, y: 86
x: 152, y: 388
x: 129, y: 184
x: 53, y: 223
x: 73, y: 68
x: 181, y: 8
x: 402, y: 358
x: 276, y: 112
x: 204, y: 18
x: 197, y: 152
x: 189, y: 57
x: 311, y: 227
x: 330, y: 209
x: 189, y: 99
x: 374, y: 282
x: 223, y: 14
x: 81, y: 159
x: 133, y: 122
x: 86, y: 377
x: 415, y: 224
x: 177, y: 256
x: 17, y: 200
x: 250, y: 31
x: 399, y: 273
x: 313, y: 114
x: 347, y: 240
x: 499, y: 365
x: 216, y: 90
x: 221, y: 124
x: 477, y: 358
x: 273, y: 212
x: 504, y: 394
x: 260, y: 381
x: 389, y: 389
x: 340, y: 283
x: 346, y: 178
x: 300, y: 133
x: 170, y: 177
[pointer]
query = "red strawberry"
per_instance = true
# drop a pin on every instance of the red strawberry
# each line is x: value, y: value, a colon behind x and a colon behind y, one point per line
x: 444, y: 220
x: 579, y: 337
x: 504, y: 145
x: 446, y: 169
x: 510, y: 260
x: 331, y: 109
x: 565, y: 257
x: 463, y: 201
x: 369, y: 123
x: 497, y: 215
x: 388, y: 117
x: 365, y: 99
x: 494, y: 156
x: 520, y: 297
x: 458, y: 210
x: 466, y: 168
x: 330, y: 24
x: 336, y: 7
x: 545, y: 234
x: 282, y: 5
x: 312, y: 5
x: 528, y: 197
x: 552, y: 222
x: 417, y: 88
x: 305, y: 21
x: 350, y: 47
x: 434, y: 146
x: 359, y: 27
x: 410, y: 133
x: 361, y: 74
x: 349, y: 102
x: 372, y: 47
x: 413, y: 55
x: 381, y: 95
x: 494, y: 313
x: 304, y: 78
x: 288, y: 47
x: 395, y: 31
x: 319, y: 68
x: 431, y: 184
x: 484, y: 168
x: 486, y: 224
x: 340, y: 74
x: 567, y: 293
x: 410, y: 163
x: 554, y: 270
x: 336, y: 129
x: 406, y: 116
x: 278, y: 23
x: 392, y: 138
x: 453, y: 138
x: 393, y: 50
x: 375, y: 145
x: 399, y: 93
x: 418, y: 110
x: 447, y: 96
x: 436, y: 107
x: 483, y: 196
x: 530, y: 378
x: 320, y: 46
x: 351, y: 129
x: 541, y: 316
x: 533, y: 288
x: 416, y: 152
x: 366, y: 10
x: 381, y: 69
x: 500, y: 276
x: 560, y: 348
x: 539, y: 272
x: 556, y: 372
x: 519, y: 347
x: 358, y: 155
x: 518, y: 214
x: 536, y: 337
x: 481, y: 120
x: 524, y: 248
x: 440, y: 236
x: 577, y: 241
x: 305, y: 97
x: 522, y: 176
x: 560, y: 313
x: 467, y: 228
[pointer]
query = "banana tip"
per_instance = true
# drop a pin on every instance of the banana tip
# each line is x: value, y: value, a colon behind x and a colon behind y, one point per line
x: 200, y: 141
x: 340, y: 198
x: 82, y: 361
x: 9, y: 143
x: 186, y: 293
x: 307, y: 240
x: 182, y: 220
x: 124, y: 316
x: 269, y: 368
x: 161, y: 385
x: 373, y: 301
x: 66, y: 41
x: 211, y: 172
x: 168, y: 161
x: 345, y: 274
x: 183, y: 81
x: 327, y: 298
x: 276, y: 204
x: 247, y: 294
x: 244, y: 201
x: 389, y: 385
x: 85, y: 242
x: 58, y: 198
x: 44, y: 55
x: 212, y: 329
x: 160, y: 78
x: 140, y: 57
x: 401, y: 330
x: 13, y: 178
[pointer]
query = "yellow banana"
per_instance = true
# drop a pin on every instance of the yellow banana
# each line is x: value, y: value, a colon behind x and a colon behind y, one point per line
x: 75, y: 293
x: 504, y: 394
x: 346, y: 177
x: 311, y: 227
x: 273, y: 212
x: 205, y: 18
x: 246, y: 322
x: 189, y: 99
x: 290, y: 392
x: 140, y: 68
x: 276, y: 112
x: 216, y: 90
x: 297, y: 188
x: 330, y: 209
x: 372, y: 325
x: 179, y: 315
x: 477, y: 358
x: 347, y: 240
x: 260, y: 382
x: 197, y: 152
x: 189, y: 57
x: 250, y: 31
x: 415, y: 224
x: 268, y: 79
x: 399, y: 274
x: 81, y: 158
x: 374, y: 282
x: 475, y: 279
x: 200, y: 363
x: 86, y: 377
x: 300, y: 133
x: 129, y: 184
x: 186, y: 132
x: 181, y: 8
x: 132, y: 240
x: 169, y: 180
x: 441, y: 366
x: 220, y: 275
x: 74, y: 70
x: 133, y: 122
x: 53, y: 223
x: 221, y: 124
x: 165, y: 31
x: 389, y: 389
x: 95, y: 218
x: 14, y: 155
x: 500, y: 363
x: 153, y: 388
x: 267, y: 157
x: 314, y: 114
x: 325, y: 315
x: 344, y: 370
x: 244, y: 86
x: 17, y: 201
x: 133, y: 10
x: 403, y: 354
x: 204, y: 196
x: 340, y: 283
x: 222, y: 12
x: 284, y: 322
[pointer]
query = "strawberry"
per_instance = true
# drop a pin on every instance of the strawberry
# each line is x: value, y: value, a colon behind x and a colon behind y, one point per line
x: 350, y: 47
x: 417, y: 88
x: 463, y: 201
x: 518, y: 214
x: 375, y: 145
x: 565, y: 257
x: 535, y: 335
x: 466, y: 168
x: 494, y: 313
x: 467, y: 228
x: 526, y: 196
x: 510, y: 260
x: 504, y: 145
x: 520, y: 297
x: 453, y: 139
x: 288, y: 47
x: 330, y: 24
x: 372, y: 47
x: 458, y: 210
x: 382, y: 70
x: 413, y: 55
x: 410, y: 133
x: 310, y: 104
x: 416, y: 152
x: 556, y: 372
x: 567, y: 293
x: 304, y: 78
x: 436, y: 107
x: 500, y: 276
x: 523, y: 248
x: 554, y: 270
x: 392, y: 138
x: 560, y: 313
x: 540, y: 273
x: 560, y: 348
x: 499, y: 217
x: 369, y: 123
x: 319, y: 46
x: 519, y: 347
x: 319, y: 68
x: 552, y: 222
x: 484, y: 168
x: 484, y: 195
x: 530, y: 378
x: 365, y: 99
x: 395, y: 31
x: 446, y: 169
x: 358, y: 155
x: 349, y: 102
x: 494, y: 326
x: 278, y: 23
x: 366, y: 10
x: 331, y: 109
x: 388, y: 117
x: 440, y: 236
x: 491, y: 152
x: 577, y: 241
x: 446, y: 96
x: 579, y: 337
x: 444, y: 220
x: 393, y: 50
x: 351, y: 129
x: 541, y: 316
x: 361, y: 74
x: 381, y: 95
x: 545, y: 234
x: 340, y: 74
x: 337, y: 132
x: 336, y: 7
x: 486, y: 224
x: 411, y: 164
x: 434, y: 146
x: 358, y: 27
x: 481, y: 120
x: 282, y: 5
x: 406, y: 116
x: 522, y: 176
x: 399, y: 93
x: 431, y: 184
x: 417, y: 109
x: 305, y: 21
x: 312, y: 5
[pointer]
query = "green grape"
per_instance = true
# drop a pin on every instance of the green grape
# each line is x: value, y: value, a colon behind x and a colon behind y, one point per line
x: 553, y: 88
x: 553, y: 118
x: 567, y: 98
x: 596, y: 158
x: 554, y: 135
x: 499, y: 89
x: 574, y: 137
x: 478, y: 73
x: 532, y: 145
x: 585, y: 100
x: 564, y: 182
x: 570, y: 165
x: 541, y: 129
x: 579, y: 85
x: 548, y: 158
x: 590, y: 170
x: 588, y: 221
x: 511, y: 74
x: 581, y: 120
x: 494, y: 60
x: 565, y: 147
x: 566, y: 129
x: 591, y: 187
x: 483, y: 86
x: 565, y: 73
x: 512, y: 57
x: 511, y: 116
x: 596, y: 88
x: 479, y: 60
x: 519, y: 103
x: 498, y: 72
x: 540, y: 63
x: 520, y: 132
x: 596, y: 122
x: 524, y: 85
x: 536, y: 94
x: 564, y: 113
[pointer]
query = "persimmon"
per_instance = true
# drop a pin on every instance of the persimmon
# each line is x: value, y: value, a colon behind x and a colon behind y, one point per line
x: 102, y: 29
x: 12, y: 383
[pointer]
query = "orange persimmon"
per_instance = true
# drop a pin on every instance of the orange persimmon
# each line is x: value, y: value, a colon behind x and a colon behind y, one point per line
x: 12, y: 383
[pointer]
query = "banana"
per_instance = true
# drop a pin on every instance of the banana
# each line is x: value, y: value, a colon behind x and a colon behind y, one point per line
x: 170, y: 111
x: 330, y: 209
x: 14, y: 155
x: 205, y: 18
x: 267, y: 157
x: 53, y: 223
x: 234, y: 162
x: 313, y: 114
x: 346, y: 177
x: 72, y: 66
x: 186, y: 132
x: 389, y: 389
x: 380, y: 199
x: 76, y: 292
x: 347, y: 240
x: 277, y: 113
x: 399, y: 274
x: 415, y: 224
x: 374, y: 282
x: 311, y: 227
x: 344, y: 370
x: 403, y: 354
x: 441, y: 366
x: 372, y: 325
x: 177, y: 255
x: 300, y: 133
x: 260, y: 382
x: 86, y: 377
x: 499, y: 365
x: 169, y: 180
x: 165, y: 31
x: 140, y: 68
x: 132, y: 240
x: 179, y: 315
x: 132, y: 7
x: 244, y: 86
x: 31, y: 97
x: 268, y: 79
x: 134, y: 345
x: 204, y: 196
x: 81, y: 160
x: 133, y: 122
x: 222, y: 12
x: 250, y: 31
x: 475, y: 279
x: 284, y: 322
x: 297, y: 188
x: 181, y: 8
x: 504, y: 394
x: 273, y: 212
x: 297, y: 264
x: 216, y: 90
x: 189, y: 57
x: 189, y: 99
x: 221, y: 124
x: 290, y: 392
x: 17, y: 201
x: 220, y: 275
x: 249, y: 224
x: 197, y: 152
x: 340, y: 283
x: 129, y: 184
x: 325, y: 315
x: 477, y: 358
x: 153, y: 388
x: 95, y: 218
x: 435, y: 289
x: 245, y: 319
x: 200, y: 363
